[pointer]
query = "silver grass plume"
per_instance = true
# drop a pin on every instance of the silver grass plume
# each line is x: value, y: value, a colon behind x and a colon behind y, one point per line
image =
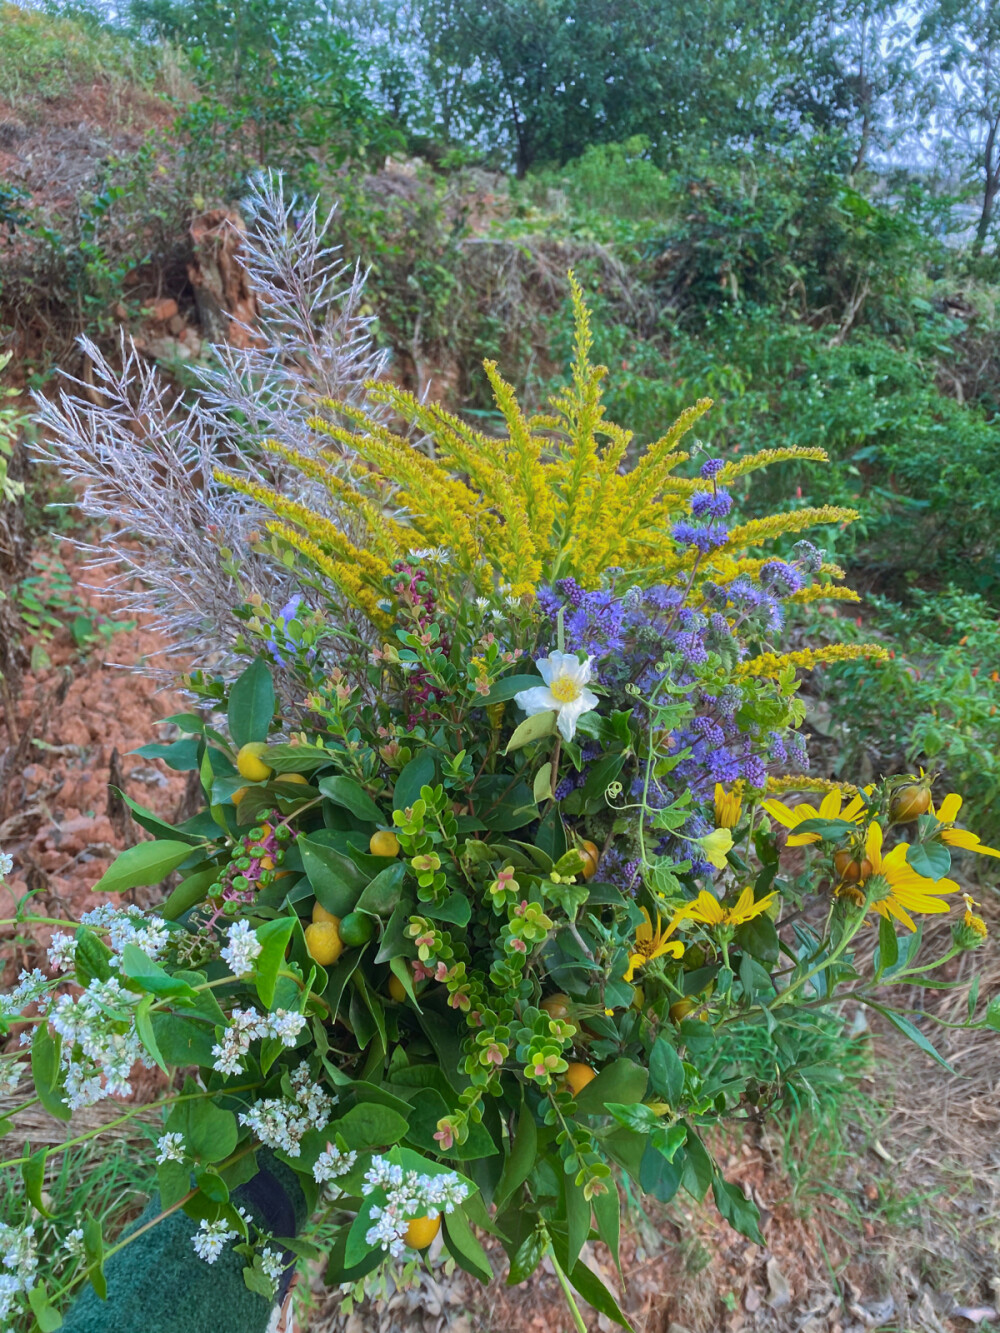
x: 141, y: 458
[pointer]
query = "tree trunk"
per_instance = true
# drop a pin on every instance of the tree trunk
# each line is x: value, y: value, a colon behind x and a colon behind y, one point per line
x: 989, y: 191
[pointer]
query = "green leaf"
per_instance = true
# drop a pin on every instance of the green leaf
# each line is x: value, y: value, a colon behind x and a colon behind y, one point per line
x: 352, y: 796
x: 370, y: 1126
x: 152, y: 824
x: 699, y: 1169
x: 930, y: 859
x: 521, y: 1160
x: 622, y: 1081
x: 93, y: 1253
x: 888, y: 944
x: 526, y: 1257
x: 358, y: 1247
x: 210, y: 1132
x: 908, y: 1029
x: 151, y: 976
x: 533, y: 728
x: 335, y: 880
x: 505, y: 689
x: 464, y: 1248
x: 183, y: 1041
x: 541, y: 788
x: 587, y: 1284
x: 608, y: 1214
x: 419, y: 772
x: 173, y: 1180
x: 91, y: 957
x: 760, y: 939
x: 33, y: 1175
x: 382, y: 894
x: 739, y: 1211
x: 181, y: 756
x: 251, y: 704
x: 577, y: 1219
x: 189, y: 893
x: 144, y: 1027
x: 45, y: 1313
x: 46, y: 1073
x: 274, y: 937
x: 455, y: 909
x: 144, y: 864
x: 828, y: 829
x: 666, y: 1071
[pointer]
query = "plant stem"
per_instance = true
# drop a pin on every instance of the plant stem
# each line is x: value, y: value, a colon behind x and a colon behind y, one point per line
x: 574, y: 1309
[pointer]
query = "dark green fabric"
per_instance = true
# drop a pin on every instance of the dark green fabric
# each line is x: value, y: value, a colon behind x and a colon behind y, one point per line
x: 157, y: 1284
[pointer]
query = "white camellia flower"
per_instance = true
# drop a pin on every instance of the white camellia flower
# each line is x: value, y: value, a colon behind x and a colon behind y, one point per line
x: 564, y: 692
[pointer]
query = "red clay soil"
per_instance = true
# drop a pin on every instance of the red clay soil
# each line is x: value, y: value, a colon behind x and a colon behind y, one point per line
x: 74, y: 727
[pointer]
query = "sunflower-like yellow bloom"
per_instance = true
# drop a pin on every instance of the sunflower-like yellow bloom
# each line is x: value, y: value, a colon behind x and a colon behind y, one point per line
x: 829, y: 808
x: 728, y: 807
x: 650, y: 944
x: 958, y: 837
x: 904, y: 890
x: 707, y: 909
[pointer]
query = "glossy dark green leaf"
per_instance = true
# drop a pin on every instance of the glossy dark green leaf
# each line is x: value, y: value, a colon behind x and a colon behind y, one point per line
x: 666, y: 1072
x: 464, y: 1248
x: 740, y: 1212
x: 419, y: 772
x: 251, y: 704
x: 353, y: 797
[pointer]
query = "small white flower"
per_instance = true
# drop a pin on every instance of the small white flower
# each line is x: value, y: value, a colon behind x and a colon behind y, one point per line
x: 73, y: 1244
x: 563, y: 693
x: 62, y: 951
x: 211, y: 1239
x: 273, y: 1265
x: 332, y: 1163
x: 6, y: 864
x: 10, y: 1077
x: 242, y: 950
x: 170, y: 1148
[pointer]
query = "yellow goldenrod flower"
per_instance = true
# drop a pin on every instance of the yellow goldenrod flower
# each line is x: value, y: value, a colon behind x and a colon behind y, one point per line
x: 728, y: 807
x: 902, y: 890
x: 958, y: 837
x: 707, y: 909
x: 829, y: 808
x: 650, y: 944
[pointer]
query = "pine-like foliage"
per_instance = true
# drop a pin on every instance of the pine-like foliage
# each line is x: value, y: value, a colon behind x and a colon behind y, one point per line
x: 143, y: 460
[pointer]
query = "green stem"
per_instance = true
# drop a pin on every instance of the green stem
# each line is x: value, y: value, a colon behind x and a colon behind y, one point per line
x: 789, y: 991
x: 574, y: 1309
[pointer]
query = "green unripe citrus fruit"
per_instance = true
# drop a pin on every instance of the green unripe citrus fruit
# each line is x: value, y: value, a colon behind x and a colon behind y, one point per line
x: 355, y: 929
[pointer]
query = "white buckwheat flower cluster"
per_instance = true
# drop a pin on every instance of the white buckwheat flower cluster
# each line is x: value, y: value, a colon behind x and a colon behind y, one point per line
x: 17, y: 1265
x: 10, y: 1076
x: 99, y: 1039
x: 129, y: 926
x: 332, y: 1163
x: 73, y: 1244
x: 211, y: 1239
x: 273, y: 1265
x: 6, y: 864
x: 62, y: 951
x: 245, y: 1026
x: 280, y: 1122
x: 31, y: 986
x: 409, y: 1194
x: 243, y: 949
x: 170, y: 1148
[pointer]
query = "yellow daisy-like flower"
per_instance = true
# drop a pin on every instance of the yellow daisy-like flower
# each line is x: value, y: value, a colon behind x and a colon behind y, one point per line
x: 650, y: 944
x: 707, y: 909
x: 728, y: 807
x: 829, y: 808
x: 905, y: 890
x: 958, y: 837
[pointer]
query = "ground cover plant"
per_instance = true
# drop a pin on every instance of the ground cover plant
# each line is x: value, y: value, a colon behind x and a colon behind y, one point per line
x: 499, y: 855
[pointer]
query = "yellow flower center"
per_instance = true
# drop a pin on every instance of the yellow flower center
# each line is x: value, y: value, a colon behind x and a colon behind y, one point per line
x: 565, y: 689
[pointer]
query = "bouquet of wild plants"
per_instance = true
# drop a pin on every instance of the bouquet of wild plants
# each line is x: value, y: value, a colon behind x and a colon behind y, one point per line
x: 460, y: 928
